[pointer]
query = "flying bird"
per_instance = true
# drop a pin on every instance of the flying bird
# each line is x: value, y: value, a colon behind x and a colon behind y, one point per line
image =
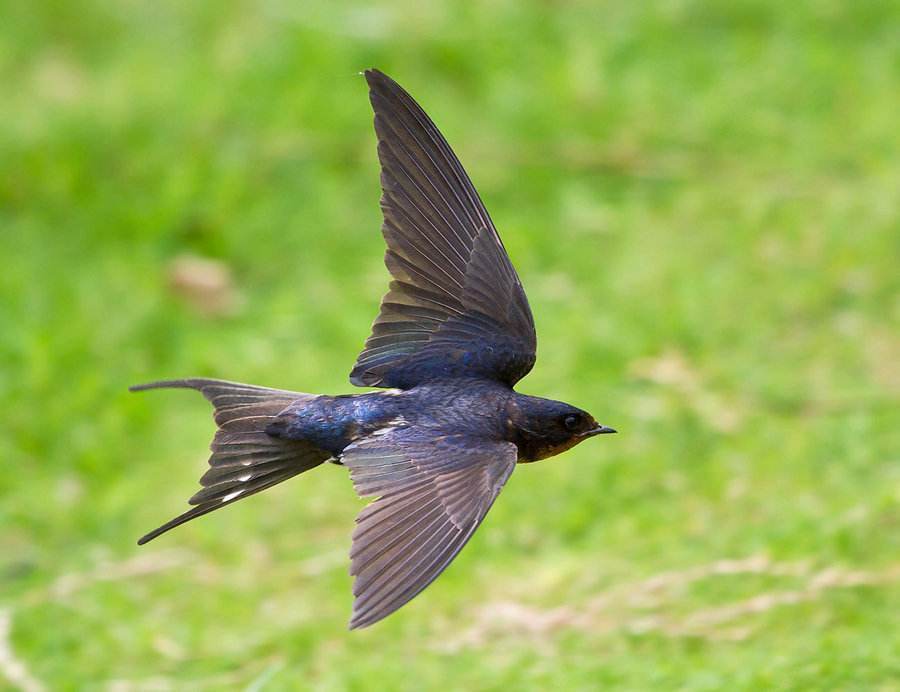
x: 454, y: 334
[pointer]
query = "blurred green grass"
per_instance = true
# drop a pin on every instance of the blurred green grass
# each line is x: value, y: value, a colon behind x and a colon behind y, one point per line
x: 701, y: 199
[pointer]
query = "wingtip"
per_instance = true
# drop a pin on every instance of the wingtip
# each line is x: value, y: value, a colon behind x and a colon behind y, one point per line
x: 377, y: 80
x: 356, y: 623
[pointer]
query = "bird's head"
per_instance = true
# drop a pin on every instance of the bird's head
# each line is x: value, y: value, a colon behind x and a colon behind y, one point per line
x: 542, y: 428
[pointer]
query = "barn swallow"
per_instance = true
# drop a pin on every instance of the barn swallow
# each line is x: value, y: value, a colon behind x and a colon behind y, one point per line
x: 453, y: 336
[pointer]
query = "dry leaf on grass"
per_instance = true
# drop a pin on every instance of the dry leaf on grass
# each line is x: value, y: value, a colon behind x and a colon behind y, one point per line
x: 206, y: 285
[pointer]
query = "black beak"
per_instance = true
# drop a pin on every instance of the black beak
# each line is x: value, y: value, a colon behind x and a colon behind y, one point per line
x: 600, y: 430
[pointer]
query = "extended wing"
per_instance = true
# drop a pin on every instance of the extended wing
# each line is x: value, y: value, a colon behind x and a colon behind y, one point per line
x: 433, y: 490
x: 456, y: 306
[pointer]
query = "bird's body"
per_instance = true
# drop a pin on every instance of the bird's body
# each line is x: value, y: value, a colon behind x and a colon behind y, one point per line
x: 436, y: 445
x: 479, y: 408
x: 334, y: 422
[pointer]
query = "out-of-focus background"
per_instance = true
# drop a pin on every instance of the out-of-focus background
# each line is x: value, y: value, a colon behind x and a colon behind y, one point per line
x: 702, y: 201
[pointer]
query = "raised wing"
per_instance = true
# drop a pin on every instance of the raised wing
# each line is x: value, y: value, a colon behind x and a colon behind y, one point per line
x: 433, y: 493
x: 456, y: 307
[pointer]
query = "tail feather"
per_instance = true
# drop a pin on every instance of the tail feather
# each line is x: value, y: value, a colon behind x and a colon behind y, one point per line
x: 245, y: 460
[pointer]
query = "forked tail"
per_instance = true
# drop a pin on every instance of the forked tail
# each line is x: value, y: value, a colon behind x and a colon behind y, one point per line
x: 244, y: 460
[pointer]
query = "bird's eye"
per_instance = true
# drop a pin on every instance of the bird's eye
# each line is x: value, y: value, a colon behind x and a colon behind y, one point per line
x: 571, y: 422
